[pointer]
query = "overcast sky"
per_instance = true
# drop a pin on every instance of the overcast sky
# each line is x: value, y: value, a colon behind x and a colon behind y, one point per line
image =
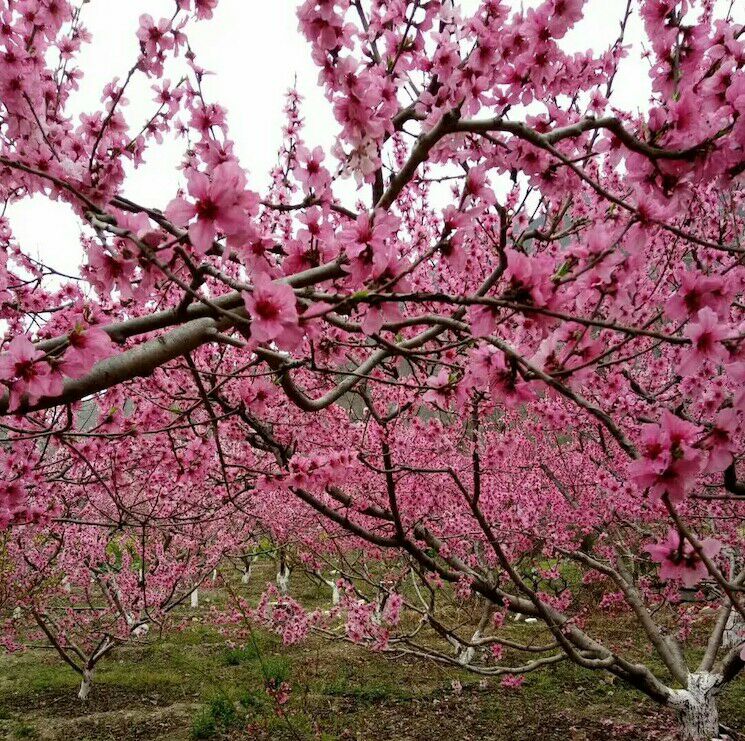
x: 255, y: 51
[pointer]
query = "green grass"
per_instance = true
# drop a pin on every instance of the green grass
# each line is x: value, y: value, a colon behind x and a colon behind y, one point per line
x: 24, y: 730
x: 219, y: 714
x: 255, y: 702
x: 275, y: 669
x: 368, y: 690
x: 31, y: 673
x: 238, y: 656
x: 219, y: 691
x: 204, y: 725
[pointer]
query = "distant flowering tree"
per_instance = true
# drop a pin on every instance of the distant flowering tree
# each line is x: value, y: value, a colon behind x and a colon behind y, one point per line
x: 517, y: 347
x: 117, y: 546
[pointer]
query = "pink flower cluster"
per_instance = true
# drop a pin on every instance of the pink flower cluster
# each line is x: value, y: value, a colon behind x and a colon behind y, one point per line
x: 31, y: 374
x: 283, y: 615
x: 669, y: 461
x: 679, y: 560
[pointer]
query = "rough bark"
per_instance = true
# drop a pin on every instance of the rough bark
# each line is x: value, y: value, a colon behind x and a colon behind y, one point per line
x: 283, y: 579
x: 696, y: 707
x: 734, y: 631
x: 85, y: 684
x: 247, y: 566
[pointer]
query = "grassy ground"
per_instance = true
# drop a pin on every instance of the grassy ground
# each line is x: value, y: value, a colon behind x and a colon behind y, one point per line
x: 188, y: 685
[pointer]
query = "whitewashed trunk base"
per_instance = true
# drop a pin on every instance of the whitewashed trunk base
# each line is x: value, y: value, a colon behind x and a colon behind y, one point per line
x: 696, y: 707
x: 466, y: 654
x: 283, y: 580
x: 734, y: 631
x: 85, y: 684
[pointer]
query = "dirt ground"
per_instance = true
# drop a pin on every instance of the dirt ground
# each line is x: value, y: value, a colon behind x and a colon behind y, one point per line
x: 187, y: 684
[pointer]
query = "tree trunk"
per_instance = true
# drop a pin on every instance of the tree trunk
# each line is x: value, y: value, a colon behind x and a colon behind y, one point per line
x: 85, y: 684
x: 466, y: 654
x: 283, y: 579
x: 247, y: 564
x: 195, y: 599
x: 696, y: 707
x: 141, y: 630
x: 734, y: 631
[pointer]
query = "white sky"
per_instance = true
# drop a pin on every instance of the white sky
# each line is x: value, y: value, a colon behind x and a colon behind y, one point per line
x: 255, y: 51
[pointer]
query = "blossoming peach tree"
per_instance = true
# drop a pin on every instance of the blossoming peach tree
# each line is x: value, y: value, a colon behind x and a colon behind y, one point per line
x: 130, y: 541
x: 511, y: 361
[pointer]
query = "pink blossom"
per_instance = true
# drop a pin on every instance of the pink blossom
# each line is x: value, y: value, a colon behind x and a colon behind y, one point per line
x: 453, y: 253
x: 13, y: 493
x: 23, y: 369
x: 321, y: 24
x: 168, y: 96
x: 679, y: 560
x: 531, y: 278
x: 436, y: 107
x: 488, y: 368
x: 109, y: 272
x: 154, y: 37
x: 668, y: 463
x: 736, y: 371
x: 255, y: 247
x: 272, y: 307
x: 220, y: 204
x: 366, y: 244
x: 202, y: 8
x: 705, y: 336
x: 483, y: 319
x: 283, y: 615
x: 88, y: 345
x: 696, y: 292
x: 721, y: 441
x: 280, y: 694
x: 512, y: 682
x: 392, y: 609
x: 477, y: 185
x: 564, y: 14
x: 440, y: 390
x: 377, y: 315
x: 309, y: 170
x: 256, y: 394
x: 206, y: 118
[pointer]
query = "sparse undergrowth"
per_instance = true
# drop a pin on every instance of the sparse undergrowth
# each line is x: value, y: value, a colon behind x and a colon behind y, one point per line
x: 191, y: 684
